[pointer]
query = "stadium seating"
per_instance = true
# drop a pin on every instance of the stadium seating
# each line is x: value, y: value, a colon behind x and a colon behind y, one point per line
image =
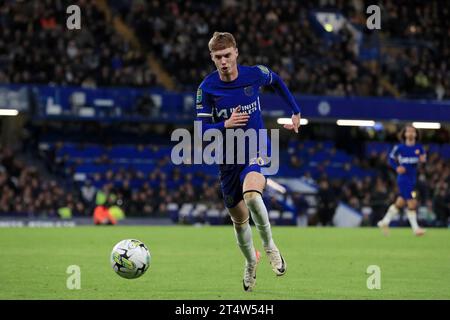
x: 352, y: 65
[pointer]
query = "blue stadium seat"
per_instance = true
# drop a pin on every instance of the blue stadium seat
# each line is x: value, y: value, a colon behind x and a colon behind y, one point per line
x: 91, y: 168
x: 432, y: 148
x: 445, y: 151
x: 341, y: 157
x: 377, y: 147
x: 335, y: 172
x: 123, y: 152
x: 145, y: 168
x: 319, y: 156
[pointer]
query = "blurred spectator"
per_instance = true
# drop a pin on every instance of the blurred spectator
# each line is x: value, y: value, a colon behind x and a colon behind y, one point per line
x: 88, y: 191
x: 441, y: 206
x: 326, y: 203
x: 102, y: 216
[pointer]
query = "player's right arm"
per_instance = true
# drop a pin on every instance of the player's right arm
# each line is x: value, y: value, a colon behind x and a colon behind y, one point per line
x: 204, y: 108
x: 237, y: 119
x: 393, y: 162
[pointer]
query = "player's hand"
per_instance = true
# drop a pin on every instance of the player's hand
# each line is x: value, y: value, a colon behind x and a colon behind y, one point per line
x: 237, y: 119
x: 401, y: 169
x: 295, y: 123
x: 423, y: 158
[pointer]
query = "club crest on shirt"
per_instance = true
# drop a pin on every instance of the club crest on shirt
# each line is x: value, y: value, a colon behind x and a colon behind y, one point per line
x: 249, y: 91
x: 417, y: 151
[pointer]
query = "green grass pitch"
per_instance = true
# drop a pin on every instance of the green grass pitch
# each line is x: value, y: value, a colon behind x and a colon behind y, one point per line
x: 205, y: 263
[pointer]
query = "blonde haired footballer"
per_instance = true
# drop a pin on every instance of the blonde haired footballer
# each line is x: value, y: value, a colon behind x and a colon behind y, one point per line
x: 228, y: 99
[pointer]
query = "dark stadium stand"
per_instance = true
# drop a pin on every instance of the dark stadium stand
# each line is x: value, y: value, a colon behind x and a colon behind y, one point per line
x: 93, y: 56
x: 410, y: 51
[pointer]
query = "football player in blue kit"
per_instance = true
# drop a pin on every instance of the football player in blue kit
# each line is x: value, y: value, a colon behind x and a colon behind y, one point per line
x: 228, y: 99
x: 404, y: 159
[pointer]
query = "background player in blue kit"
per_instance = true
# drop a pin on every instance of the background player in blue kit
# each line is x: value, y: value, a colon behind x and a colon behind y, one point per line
x: 404, y: 158
x: 228, y: 99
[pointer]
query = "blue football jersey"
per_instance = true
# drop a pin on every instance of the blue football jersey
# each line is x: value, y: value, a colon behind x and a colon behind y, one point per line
x: 406, y: 156
x: 216, y: 99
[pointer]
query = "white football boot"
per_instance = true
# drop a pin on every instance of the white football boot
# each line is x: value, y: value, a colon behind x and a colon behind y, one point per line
x: 249, y: 280
x: 276, y: 260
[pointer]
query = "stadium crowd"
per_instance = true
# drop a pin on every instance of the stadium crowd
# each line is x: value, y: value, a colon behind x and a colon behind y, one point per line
x: 413, y: 46
x: 24, y: 191
x: 36, y: 47
x: 278, y: 35
x: 419, y: 67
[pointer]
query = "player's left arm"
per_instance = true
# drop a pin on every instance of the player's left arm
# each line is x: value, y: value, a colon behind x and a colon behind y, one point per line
x: 272, y: 79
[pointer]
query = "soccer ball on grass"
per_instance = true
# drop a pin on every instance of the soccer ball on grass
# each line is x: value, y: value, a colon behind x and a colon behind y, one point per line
x: 130, y: 258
